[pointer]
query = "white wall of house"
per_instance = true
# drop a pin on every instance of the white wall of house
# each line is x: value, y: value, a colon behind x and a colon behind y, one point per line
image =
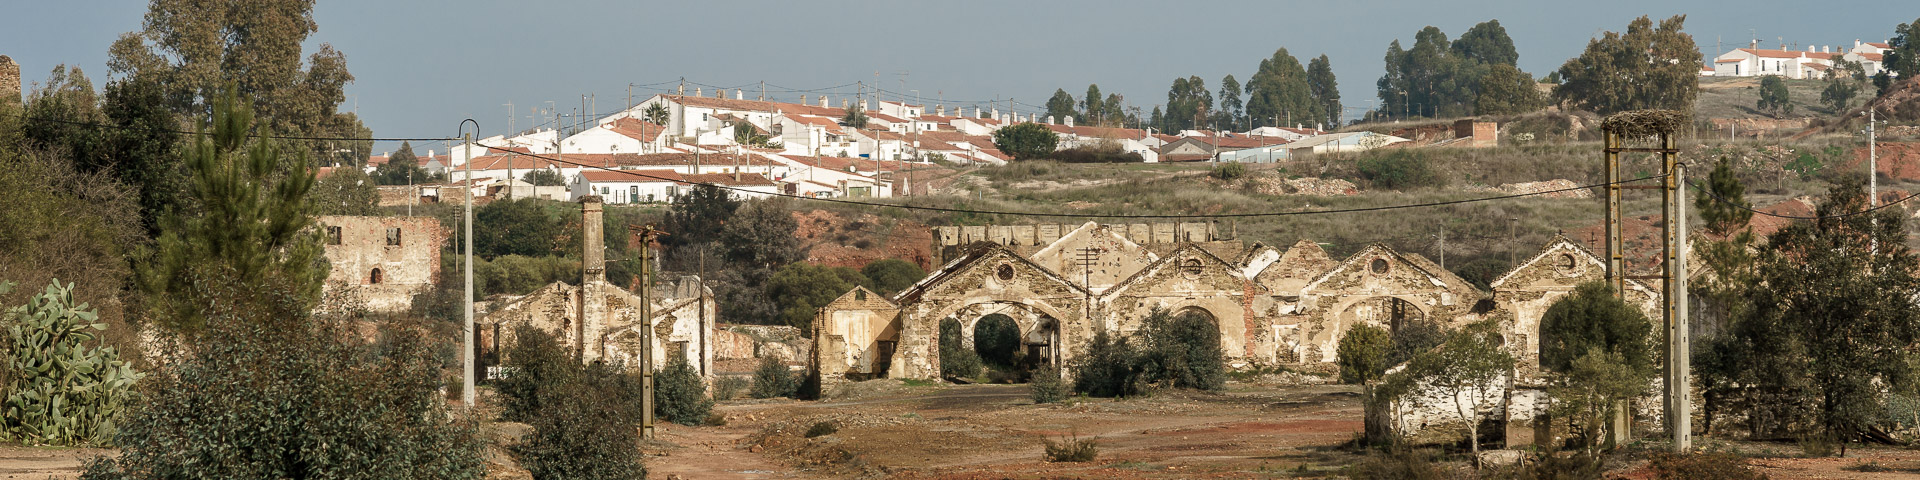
x: 602, y: 139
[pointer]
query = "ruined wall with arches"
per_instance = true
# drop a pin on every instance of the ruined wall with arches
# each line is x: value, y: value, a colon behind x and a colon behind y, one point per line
x: 1271, y: 306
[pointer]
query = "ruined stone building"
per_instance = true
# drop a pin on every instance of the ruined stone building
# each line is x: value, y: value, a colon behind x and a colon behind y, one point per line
x: 382, y: 262
x: 1272, y: 306
x: 601, y: 321
x: 9, y: 81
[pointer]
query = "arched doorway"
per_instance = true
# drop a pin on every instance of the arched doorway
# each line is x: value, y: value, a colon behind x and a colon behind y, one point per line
x: 1040, y: 343
x: 1392, y: 313
x: 996, y: 338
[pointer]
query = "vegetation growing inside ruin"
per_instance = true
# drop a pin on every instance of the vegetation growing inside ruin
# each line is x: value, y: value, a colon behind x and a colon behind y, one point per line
x: 680, y: 395
x: 1168, y: 351
x: 772, y: 379
x: 585, y: 417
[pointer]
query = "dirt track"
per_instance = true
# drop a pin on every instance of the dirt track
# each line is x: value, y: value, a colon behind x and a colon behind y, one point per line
x: 995, y: 431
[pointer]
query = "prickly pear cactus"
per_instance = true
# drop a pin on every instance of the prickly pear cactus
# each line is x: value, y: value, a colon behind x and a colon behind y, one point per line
x: 61, y: 390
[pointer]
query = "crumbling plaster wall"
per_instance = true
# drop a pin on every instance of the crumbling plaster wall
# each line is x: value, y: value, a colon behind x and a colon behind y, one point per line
x: 849, y: 332
x: 995, y: 280
x: 1371, y: 276
x: 614, y: 330
x: 405, y: 270
x: 1190, y: 278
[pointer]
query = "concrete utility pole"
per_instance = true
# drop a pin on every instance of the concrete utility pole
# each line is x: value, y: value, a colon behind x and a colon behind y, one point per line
x: 1680, y: 346
x: 646, y: 235
x: 466, y: 353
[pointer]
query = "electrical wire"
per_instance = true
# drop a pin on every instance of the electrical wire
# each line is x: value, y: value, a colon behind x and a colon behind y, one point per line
x: 250, y: 135
x: 1724, y: 200
x: 1084, y: 215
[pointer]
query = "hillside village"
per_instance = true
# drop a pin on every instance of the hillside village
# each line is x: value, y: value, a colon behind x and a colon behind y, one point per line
x: 212, y: 270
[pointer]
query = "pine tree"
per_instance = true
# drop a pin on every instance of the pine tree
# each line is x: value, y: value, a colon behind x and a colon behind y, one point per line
x: 252, y: 222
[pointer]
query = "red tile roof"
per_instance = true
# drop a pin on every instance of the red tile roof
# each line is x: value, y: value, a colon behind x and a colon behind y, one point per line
x: 1873, y: 57
x: 1879, y: 45
x: 657, y: 176
x: 636, y: 129
x: 1785, y: 53
x: 631, y: 176
x: 754, y: 105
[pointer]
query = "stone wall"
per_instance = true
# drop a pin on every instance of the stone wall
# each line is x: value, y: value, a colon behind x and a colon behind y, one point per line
x: 9, y: 80
x: 1026, y: 239
x: 384, y: 260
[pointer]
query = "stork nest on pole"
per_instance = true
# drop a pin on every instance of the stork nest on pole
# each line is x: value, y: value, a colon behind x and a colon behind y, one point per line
x: 1644, y: 123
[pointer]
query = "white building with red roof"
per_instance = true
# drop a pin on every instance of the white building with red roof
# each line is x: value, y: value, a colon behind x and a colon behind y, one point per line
x: 622, y: 135
x: 663, y: 186
x: 1814, y: 62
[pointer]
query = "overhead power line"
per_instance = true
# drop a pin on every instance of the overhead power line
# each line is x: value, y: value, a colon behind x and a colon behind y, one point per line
x: 252, y: 135
x: 1724, y: 200
x: 1086, y: 215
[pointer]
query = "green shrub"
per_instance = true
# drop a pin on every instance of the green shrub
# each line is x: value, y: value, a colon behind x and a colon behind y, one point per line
x: 773, y: 379
x: 1399, y: 169
x: 585, y: 418
x: 1228, y: 171
x: 1047, y: 386
x: 729, y: 387
x: 821, y: 429
x: 1703, y: 466
x: 956, y: 360
x: 680, y: 395
x: 63, y: 388
x: 585, y: 433
x: 535, y: 369
x: 1105, y: 368
x: 1072, y: 449
x: 1181, y: 351
x: 265, y: 391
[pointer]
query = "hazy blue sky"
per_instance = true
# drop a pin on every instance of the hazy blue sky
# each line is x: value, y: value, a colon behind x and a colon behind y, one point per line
x: 421, y: 67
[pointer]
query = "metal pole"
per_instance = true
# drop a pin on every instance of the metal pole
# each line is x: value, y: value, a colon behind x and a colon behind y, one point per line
x: 466, y: 391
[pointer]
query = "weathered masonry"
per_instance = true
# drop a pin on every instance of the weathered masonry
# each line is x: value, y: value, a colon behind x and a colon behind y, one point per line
x: 600, y: 321
x: 382, y: 262
x: 1271, y: 306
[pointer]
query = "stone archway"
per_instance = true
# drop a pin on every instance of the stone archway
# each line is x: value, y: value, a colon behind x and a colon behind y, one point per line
x: 997, y: 338
x: 1389, y: 312
x: 1384, y: 311
x: 1036, y: 334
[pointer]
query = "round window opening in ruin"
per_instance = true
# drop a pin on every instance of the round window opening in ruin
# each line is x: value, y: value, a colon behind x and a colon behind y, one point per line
x: 1191, y: 267
x: 1005, y: 272
x: 1566, y: 263
x: 1379, y: 266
